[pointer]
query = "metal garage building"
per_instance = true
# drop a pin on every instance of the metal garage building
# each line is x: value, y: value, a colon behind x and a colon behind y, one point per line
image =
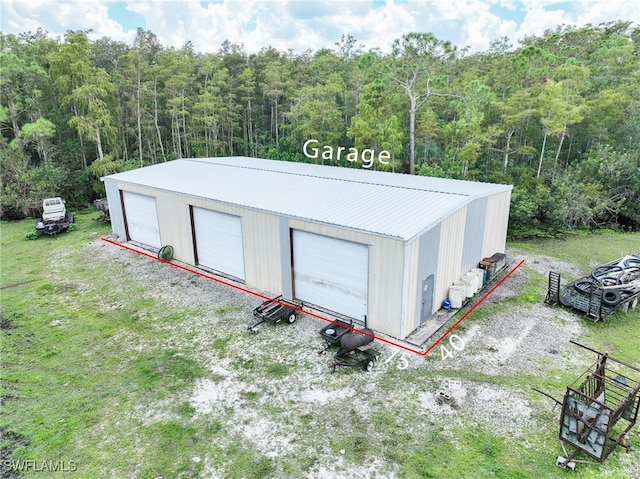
x: 368, y: 245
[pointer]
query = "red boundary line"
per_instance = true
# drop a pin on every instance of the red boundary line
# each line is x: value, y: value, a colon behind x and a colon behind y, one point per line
x: 310, y: 313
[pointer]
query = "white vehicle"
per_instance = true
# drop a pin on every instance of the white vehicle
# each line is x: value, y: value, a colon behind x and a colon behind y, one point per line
x: 54, y: 217
x: 53, y: 209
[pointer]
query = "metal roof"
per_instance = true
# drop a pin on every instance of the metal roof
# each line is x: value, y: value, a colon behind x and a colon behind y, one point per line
x: 388, y: 204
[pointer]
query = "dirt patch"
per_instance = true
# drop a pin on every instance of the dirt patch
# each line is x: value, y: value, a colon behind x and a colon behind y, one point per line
x: 209, y: 396
x: 5, y: 323
x: 9, y: 442
x: 544, y: 264
x: 521, y: 341
x: 491, y: 406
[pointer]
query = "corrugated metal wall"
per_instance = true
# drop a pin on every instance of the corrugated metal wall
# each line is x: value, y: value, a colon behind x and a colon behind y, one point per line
x: 496, y: 224
x: 174, y: 221
x: 261, y: 236
x: 261, y: 231
x: 422, y: 262
x: 285, y: 258
x: 115, y: 207
x: 450, y: 253
x: 474, y: 234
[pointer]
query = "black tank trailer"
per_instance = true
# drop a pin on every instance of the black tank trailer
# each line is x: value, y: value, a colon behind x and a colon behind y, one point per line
x: 350, y: 342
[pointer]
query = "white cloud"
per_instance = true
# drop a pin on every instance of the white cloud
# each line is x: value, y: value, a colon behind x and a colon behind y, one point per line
x: 538, y: 20
x: 483, y: 27
x: 302, y: 25
x: 378, y: 28
x: 508, y: 4
x: 600, y: 11
x: 544, y: 4
x: 57, y: 17
x: 466, y: 23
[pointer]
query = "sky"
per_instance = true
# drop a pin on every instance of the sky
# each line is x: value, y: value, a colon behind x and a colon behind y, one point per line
x: 300, y: 25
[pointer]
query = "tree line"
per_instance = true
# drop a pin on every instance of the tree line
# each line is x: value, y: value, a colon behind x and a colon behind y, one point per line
x: 557, y: 116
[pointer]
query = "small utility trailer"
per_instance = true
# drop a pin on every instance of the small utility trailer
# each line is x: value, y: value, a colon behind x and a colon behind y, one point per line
x: 275, y: 310
x: 350, y: 340
x: 609, y: 287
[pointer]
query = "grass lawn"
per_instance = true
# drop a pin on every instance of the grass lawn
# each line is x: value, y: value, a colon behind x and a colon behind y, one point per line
x: 115, y: 365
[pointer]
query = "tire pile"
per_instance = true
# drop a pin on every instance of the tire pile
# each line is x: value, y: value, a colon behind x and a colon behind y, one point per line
x: 618, y: 280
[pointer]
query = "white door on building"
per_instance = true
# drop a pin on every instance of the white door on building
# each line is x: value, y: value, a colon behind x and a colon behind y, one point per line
x: 218, y: 239
x: 141, y: 219
x: 331, y: 273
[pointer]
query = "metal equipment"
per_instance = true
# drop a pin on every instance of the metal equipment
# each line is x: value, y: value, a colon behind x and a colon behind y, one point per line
x: 166, y: 253
x: 598, y: 410
x: 350, y: 341
x: 275, y: 310
x: 102, y: 207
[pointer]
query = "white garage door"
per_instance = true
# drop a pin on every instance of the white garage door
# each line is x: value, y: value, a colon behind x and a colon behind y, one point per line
x: 142, y: 218
x: 331, y: 273
x: 219, y: 241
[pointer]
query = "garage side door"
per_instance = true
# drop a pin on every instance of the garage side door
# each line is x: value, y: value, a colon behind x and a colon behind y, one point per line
x: 141, y: 219
x: 218, y: 240
x: 331, y: 273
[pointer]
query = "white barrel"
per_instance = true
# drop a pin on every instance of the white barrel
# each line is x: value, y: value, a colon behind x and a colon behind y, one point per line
x: 479, y: 272
x: 471, y: 283
x: 477, y: 282
x: 456, y: 294
x: 462, y: 285
x: 481, y: 275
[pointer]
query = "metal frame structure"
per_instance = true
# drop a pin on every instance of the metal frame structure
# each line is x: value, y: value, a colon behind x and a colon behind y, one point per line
x: 599, y: 408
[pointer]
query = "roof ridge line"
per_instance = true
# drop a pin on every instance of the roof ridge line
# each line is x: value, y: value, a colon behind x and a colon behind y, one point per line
x: 324, y: 177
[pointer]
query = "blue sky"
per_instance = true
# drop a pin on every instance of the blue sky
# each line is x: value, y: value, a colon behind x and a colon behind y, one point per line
x: 128, y: 19
x: 300, y: 25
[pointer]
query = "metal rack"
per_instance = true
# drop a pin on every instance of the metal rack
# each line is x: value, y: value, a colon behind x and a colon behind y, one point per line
x: 598, y: 409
